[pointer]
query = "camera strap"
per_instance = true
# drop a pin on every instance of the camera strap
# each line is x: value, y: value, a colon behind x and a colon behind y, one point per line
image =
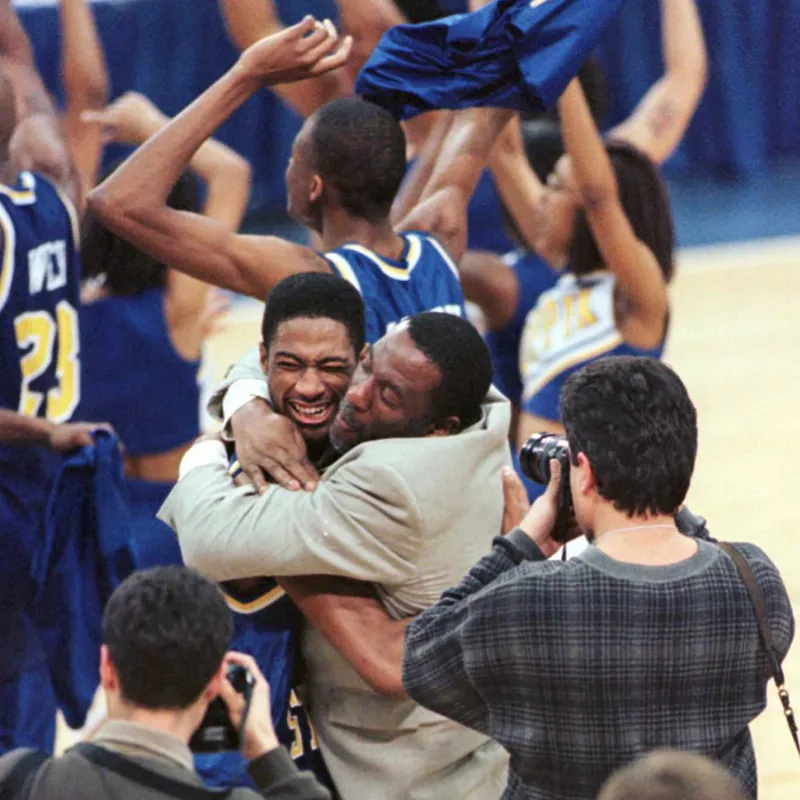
x: 749, y: 580
x: 139, y: 774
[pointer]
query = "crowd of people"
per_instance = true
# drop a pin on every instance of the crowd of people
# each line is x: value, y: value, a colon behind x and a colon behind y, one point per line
x: 417, y: 615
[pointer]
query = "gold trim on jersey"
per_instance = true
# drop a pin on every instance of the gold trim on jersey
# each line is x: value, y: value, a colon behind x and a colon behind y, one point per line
x: 24, y: 196
x: 7, y: 266
x: 343, y: 269
x: 393, y: 271
x: 609, y: 343
x: 258, y: 604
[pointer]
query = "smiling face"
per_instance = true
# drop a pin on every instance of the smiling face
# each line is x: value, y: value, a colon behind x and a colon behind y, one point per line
x: 556, y: 212
x: 309, y: 366
x: 391, y: 394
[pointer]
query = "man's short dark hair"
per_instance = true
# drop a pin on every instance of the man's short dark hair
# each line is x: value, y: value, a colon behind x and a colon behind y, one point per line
x: 453, y: 344
x: 315, y: 294
x: 167, y: 630
x: 633, y: 419
x: 672, y: 775
x: 360, y: 149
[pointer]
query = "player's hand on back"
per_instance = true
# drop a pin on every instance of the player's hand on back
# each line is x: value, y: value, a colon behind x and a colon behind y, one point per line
x: 67, y: 437
x: 305, y: 50
x: 269, y: 443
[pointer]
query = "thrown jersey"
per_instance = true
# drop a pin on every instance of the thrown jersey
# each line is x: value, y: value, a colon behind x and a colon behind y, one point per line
x: 425, y: 278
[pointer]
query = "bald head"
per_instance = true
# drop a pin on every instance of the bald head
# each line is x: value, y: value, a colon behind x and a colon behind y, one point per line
x: 672, y: 775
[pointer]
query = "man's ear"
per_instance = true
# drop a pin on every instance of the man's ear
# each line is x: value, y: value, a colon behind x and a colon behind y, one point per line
x: 215, y: 684
x: 363, y: 354
x: 315, y: 188
x: 447, y: 427
x: 588, y: 482
x: 263, y: 358
x: 108, y: 673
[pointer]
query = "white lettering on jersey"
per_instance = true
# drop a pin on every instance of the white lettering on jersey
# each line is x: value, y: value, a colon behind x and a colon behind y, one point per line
x: 451, y: 308
x: 47, y: 267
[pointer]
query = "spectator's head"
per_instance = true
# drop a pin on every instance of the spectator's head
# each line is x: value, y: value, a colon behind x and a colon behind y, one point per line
x: 632, y: 432
x: 427, y: 377
x: 672, y: 775
x: 564, y: 232
x: 351, y: 156
x: 122, y: 268
x: 312, y: 335
x: 166, y: 631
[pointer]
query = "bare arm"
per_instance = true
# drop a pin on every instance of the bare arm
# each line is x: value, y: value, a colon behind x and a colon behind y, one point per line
x: 133, y: 119
x: 20, y: 429
x: 491, y: 285
x: 85, y: 81
x: 354, y: 621
x: 38, y: 143
x: 518, y: 185
x: 658, y: 123
x: 132, y: 201
x: 248, y: 21
x: 417, y: 179
x: 443, y: 207
x: 633, y: 264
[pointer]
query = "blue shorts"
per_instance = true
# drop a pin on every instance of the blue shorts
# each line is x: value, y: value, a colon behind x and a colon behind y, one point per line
x: 155, y: 542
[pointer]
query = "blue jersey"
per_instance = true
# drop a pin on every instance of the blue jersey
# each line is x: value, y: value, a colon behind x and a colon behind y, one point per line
x: 534, y: 276
x: 266, y: 623
x: 572, y: 325
x: 486, y: 222
x: 425, y: 278
x: 134, y: 378
x: 39, y: 343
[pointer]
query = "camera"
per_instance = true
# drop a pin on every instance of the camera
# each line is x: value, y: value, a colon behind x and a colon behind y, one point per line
x: 534, y: 459
x: 217, y: 733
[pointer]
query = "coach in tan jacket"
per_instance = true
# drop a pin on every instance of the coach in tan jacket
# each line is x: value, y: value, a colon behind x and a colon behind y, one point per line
x: 408, y: 515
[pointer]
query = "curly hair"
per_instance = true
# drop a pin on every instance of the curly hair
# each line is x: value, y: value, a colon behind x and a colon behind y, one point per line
x: 634, y: 421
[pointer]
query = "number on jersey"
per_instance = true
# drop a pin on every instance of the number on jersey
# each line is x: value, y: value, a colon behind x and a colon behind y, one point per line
x: 36, y: 333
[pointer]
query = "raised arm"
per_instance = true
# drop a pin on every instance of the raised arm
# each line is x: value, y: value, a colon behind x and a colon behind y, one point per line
x: 38, y: 143
x: 442, y: 209
x: 632, y: 262
x: 85, y: 81
x: 132, y: 119
x: 132, y: 201
x: 349, y: 615
x: 658, y: 123
x: 518, y: 185
x: 248, y: 21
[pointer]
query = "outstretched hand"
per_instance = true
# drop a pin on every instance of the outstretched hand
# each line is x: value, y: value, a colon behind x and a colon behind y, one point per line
x: 305, y: 50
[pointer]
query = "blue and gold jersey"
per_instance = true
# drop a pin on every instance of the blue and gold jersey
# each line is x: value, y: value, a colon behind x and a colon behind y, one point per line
x: 573, y: 324
x: 425, y: 278
x: 39, y: 338
x: 39, y: 297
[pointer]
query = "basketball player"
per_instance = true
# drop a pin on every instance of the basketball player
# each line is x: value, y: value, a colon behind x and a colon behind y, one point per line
x: 39, y: 364
x: 346, y: 166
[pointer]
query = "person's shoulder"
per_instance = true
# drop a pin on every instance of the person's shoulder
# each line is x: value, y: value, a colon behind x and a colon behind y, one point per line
x: 9, y: 761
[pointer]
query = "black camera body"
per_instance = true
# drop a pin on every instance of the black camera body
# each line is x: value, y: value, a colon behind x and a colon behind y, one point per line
x: 534, y: 459
x: 217, y: 733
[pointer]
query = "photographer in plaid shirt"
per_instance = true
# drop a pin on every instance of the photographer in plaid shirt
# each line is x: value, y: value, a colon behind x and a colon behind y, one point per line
x: 647, y: 639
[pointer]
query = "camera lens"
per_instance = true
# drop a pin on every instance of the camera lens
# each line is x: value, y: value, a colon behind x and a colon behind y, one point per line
x: 534, y: 458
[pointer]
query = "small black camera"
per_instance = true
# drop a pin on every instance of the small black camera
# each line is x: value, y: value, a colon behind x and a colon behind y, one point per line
x: 217, y: 733
x: 534, y: 459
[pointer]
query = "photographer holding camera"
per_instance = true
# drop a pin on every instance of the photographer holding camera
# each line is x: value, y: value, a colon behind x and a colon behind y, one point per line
x: 647, y: 639
x: 163, y: 663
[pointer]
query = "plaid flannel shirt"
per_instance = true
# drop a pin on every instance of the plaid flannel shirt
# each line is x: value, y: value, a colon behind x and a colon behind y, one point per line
x: 579, y: 667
